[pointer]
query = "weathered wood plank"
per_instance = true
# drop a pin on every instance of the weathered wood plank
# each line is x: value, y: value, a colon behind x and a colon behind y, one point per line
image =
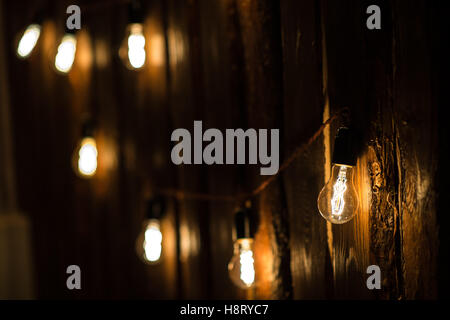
x: 416, y: 148
x: 303, y: 104
x: 261, y: 38
x: 347, y: 84
x: 186, y: 105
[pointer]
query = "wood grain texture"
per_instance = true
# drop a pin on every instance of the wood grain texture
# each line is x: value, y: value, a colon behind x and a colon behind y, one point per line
x: 261, y: 36
x: 186, y: 104
x: 236, y: 64
x: 222, y: 108
x: 303, y: 106
x: 346, y: 85
x: 416, y: 145
x: 380, y: 156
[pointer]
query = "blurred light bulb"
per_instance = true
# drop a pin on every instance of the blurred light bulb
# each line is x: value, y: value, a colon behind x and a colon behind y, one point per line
x: 136, y: 45
x: 338, y: 200
x: 149, y: 242
x: 87, y: 157
x: 28, y: 40
x: 241, y: 267
x: 66, y: 53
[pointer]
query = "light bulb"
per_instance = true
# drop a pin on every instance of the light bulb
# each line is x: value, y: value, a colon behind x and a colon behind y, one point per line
x: 28, y: 40
x: 241, y: 267
x: 87, y: 157
x: 149, y: 242
x: 66, y: 53
x: 338, y: 200
x: 136, y: 45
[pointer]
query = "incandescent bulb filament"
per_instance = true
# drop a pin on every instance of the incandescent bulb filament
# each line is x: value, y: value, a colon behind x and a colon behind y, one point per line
x: 152, y: 241
x: 66, y: 53
x: 241, y: 267
x: 338, y: 202
x: 87, y: 157
x: 28, y: 40
x: 149, y: 241
x: 136, y: 46
x: 247, y: 268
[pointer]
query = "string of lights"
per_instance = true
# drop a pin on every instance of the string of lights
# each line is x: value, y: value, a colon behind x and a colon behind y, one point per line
x: 241, y: 267
x: 133, y: 52
x: 240, y: 197
x: 337, y: 201
x: 136, y: 58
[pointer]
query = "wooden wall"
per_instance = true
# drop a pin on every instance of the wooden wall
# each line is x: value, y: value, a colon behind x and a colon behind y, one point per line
x: 232, y: 64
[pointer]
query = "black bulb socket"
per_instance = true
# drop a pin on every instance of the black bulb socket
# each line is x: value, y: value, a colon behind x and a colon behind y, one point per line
x: 244, y: 224
x: 155, y: 208
x: 344, y: 147
x: 135, y: 12
x: 88, y: 128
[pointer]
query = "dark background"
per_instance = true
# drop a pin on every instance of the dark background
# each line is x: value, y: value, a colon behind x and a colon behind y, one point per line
x: 232, y: 64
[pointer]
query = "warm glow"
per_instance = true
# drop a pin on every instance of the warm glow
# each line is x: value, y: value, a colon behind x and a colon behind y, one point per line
x: 152, y: 243
x: 136, y: 46
x: 66, y: 53
x: 337, y: 202
x: 28, y: 40
x: 87, y: 157
x: 157, y: 50
x: 247, y: 267
x: 241, y: 267
x: 176, y: 46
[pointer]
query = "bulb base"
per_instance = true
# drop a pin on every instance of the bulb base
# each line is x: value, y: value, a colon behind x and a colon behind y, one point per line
x: 87, y: 128
x: 244, y: 224
x: 135, y: 12
x: 156, y: 207
x: 343, y: 153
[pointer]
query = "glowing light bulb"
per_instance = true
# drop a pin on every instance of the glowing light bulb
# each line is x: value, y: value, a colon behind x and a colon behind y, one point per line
x: 28, y: 40
x: 241, y: 267
x: 149, y: 242
x: 87, y: 157
x: 338, y: 200
x: 136, y: 45
x: 66, y: 53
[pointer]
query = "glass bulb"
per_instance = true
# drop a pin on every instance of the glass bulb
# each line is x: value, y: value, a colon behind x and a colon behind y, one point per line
x: 338, y: 199
x: 28, y: 40
x: 136, y: 46
x: 66, y: 53
x: 149, y: 242
x: 241, y: 267
x: 87, y: 157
